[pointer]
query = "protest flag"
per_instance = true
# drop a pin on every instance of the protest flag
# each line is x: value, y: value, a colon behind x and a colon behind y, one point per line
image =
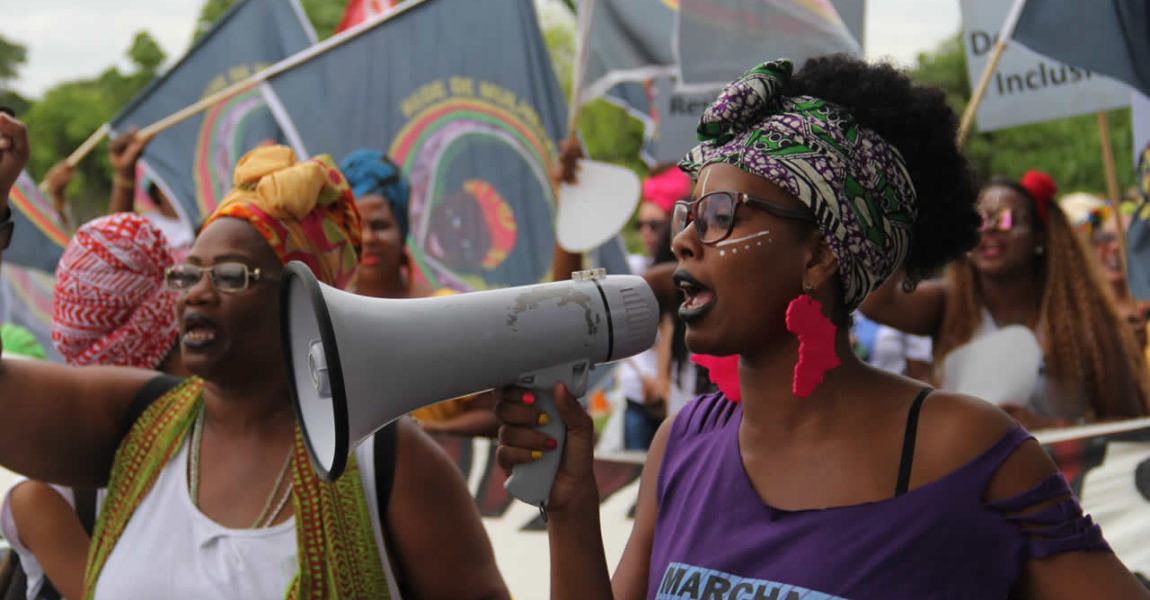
x: 763, y: 29
x: 39, y: 235
x: 1138, y: 235
x: 1112, y: 38
x: 192, y: 161
x: 38, y: 240
x: 460, y: 94
x: 26, y: 295
x: 635, y: 64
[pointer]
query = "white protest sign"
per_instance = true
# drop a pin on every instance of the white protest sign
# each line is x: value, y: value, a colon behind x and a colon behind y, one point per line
x: 1027, y: 87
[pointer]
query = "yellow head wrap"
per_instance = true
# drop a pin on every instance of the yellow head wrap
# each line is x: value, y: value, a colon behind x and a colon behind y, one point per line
x: 305, y: 210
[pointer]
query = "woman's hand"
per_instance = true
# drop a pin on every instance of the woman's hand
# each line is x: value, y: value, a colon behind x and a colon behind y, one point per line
x: 14, y: 154
x: 124, y: 152
x: 520, y: 443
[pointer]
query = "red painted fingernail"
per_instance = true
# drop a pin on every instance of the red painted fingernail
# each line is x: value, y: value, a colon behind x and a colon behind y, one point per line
x: 529, y: 398
x: 552, y: 444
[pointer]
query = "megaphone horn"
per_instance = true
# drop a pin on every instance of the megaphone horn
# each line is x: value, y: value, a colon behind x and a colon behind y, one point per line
x: 356, y: 363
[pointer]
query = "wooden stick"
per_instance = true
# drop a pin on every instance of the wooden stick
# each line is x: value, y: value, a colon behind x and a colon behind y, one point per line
x: 78, y: 154
x: 286, y: 64
x: 584, y: 42
x: 1052, y: 436
x: 1004, y: 36
x: 1112, y: 184
x: 562, y: 261
x: 90, y: 143
x: 976, y: 99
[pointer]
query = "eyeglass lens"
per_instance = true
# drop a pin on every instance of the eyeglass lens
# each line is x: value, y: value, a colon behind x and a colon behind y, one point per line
x: 1001, y: 219
x: 225, y: 276
x: 712, y: 214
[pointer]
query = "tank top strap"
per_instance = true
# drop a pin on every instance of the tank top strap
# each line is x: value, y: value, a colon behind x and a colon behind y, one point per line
x: 695, y: 424
x: 985, y: 465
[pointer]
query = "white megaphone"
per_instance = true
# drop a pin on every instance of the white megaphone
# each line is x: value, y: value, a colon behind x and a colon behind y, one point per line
x: 355, y: 363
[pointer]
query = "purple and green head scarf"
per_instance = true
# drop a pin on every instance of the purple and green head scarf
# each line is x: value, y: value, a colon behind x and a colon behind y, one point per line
x: 854, y: 182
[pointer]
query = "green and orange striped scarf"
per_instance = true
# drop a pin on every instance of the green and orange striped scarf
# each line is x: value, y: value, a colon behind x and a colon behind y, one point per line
x: 336, y: 549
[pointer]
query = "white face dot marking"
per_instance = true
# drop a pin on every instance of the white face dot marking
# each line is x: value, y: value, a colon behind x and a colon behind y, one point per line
x: 722, y: 252
x: 734, y: 250
x: 747, y: 247
x: 758, y: 243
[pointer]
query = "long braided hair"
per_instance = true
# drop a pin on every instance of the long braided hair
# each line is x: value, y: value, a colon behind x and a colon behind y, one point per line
x: 1076, y: 318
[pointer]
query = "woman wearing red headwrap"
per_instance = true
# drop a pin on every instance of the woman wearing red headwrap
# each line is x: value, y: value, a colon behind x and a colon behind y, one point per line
x: 1029, y: 269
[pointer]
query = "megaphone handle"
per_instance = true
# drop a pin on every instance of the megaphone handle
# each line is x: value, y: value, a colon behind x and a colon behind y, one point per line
x: 531, y: 482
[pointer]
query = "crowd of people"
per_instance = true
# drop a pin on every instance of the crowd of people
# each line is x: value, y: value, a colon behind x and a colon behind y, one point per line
x: 827, y: 220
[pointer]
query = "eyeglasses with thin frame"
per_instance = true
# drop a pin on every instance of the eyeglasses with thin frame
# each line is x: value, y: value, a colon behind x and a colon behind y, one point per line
x: 1001, y: 219
x: 714, y: 214
x: 225, y: 277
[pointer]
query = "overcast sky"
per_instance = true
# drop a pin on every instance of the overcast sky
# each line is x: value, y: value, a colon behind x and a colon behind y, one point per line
x: 76, y: 39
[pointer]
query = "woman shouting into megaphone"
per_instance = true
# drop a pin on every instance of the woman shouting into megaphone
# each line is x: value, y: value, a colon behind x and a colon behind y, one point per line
x: 829, y: 479
x: 210, y: 493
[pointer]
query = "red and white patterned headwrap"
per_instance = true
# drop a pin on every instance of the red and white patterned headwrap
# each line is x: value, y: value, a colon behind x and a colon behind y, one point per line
x: 111, y: 307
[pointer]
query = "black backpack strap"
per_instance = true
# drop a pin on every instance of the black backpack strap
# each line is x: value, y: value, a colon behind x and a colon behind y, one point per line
x: 384, y: 443
x: 156, y: 387
x: 908, y: 443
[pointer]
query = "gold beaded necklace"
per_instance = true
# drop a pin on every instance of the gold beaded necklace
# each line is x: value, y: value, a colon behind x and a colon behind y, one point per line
x: 265, y: 517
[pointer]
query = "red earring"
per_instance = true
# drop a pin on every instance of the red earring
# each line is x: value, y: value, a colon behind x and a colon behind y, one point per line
x: 816, y: 335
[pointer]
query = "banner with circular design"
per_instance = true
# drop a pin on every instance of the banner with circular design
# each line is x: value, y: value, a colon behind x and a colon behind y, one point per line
x: 461, y: 95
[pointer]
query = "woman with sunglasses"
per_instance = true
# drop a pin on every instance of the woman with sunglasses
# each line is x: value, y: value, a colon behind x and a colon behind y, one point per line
x: 1030, y: 268
x: 210, y: 493
x: 830, y: 479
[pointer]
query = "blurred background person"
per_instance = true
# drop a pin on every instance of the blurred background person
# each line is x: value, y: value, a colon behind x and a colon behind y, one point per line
x: 1030, y: 269
x: 386, y: 270
x: 646, y: 380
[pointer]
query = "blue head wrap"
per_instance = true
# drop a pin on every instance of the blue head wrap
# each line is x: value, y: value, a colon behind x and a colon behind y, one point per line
x: 372, y: 172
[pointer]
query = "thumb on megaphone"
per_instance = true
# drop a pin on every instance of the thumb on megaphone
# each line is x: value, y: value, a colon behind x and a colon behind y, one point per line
x: 575, y: 480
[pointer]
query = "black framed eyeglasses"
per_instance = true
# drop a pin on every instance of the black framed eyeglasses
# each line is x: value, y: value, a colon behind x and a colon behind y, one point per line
x: 225, y: 277
x: 714, y: 214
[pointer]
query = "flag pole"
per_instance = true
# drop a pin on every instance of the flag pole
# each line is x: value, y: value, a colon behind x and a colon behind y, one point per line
x: 984, y: 82
x: 564, y: 262
x: 85, y: 148
x: 286, y: 64
x: 583, y: 42
x: 1112, y: 183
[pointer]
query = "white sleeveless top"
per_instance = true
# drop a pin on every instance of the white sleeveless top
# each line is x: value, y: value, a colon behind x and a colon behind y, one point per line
x: 171, y: 550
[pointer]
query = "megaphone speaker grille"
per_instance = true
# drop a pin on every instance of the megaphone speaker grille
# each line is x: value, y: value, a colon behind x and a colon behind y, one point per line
x: 317, y: 387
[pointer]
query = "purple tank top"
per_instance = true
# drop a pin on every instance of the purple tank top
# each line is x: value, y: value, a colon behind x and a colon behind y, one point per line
x: 715, y: 539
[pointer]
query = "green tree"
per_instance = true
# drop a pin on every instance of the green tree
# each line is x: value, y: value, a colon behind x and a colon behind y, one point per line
x: 68, y: 113
x: 12, y: 56
x: 1068, y: 149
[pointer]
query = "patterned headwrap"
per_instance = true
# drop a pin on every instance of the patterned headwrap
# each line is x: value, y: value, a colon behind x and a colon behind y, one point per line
x: 371, y: 172
x: 111, y: 307
x: 854, y: 182
x: 304, y: 210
